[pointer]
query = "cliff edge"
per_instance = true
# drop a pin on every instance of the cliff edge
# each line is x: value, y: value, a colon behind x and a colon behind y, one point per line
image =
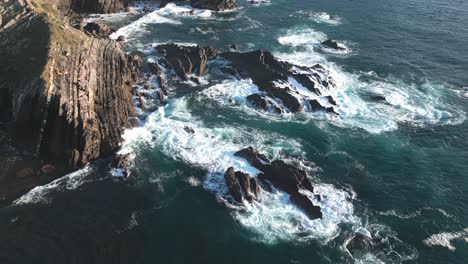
x: 65, y: 97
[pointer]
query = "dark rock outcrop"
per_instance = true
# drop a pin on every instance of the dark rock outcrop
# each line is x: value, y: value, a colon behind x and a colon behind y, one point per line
x: 186, y: 60
x: 303, y: 202
x: 332, y: 44
x: 282, y: 84
x: 216, y: 5
x: 67, y: 95
x: 283, y: 176
x: 233, y: 185
x: 98, y: 30
x: 241, y: 185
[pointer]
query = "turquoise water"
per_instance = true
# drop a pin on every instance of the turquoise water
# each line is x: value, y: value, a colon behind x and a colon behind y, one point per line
x: 397, y: 170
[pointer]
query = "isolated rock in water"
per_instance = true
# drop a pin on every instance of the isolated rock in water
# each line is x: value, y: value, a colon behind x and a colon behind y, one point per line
x: 186, y: 60
x: 99, y: 30
x: 121, y: 39
x: 283, y: 176
x: 303, y: 202
x: 332, y: 44
x: 233, y: 185
x: 216, y: 5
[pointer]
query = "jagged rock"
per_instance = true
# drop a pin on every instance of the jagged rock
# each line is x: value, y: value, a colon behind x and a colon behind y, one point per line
x: 284, y: 177
x: 332, y: 44
x: 277, y: 80
x: 244, y: 181
x: 233, y: 185
x: 99, y: 30
x: 187, y: 60
x: 216, y: 5
x: 258, y: 101
x: 154, y: 68
x: 94, y: 6
x: 303, y: 202
x: 255, y: 158
x: 120, y: 38
x: 122, y: 161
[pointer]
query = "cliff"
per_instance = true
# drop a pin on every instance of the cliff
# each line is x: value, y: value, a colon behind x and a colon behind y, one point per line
x: 65, y: 97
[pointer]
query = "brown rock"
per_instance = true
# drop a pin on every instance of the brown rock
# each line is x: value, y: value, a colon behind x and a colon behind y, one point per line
x: 25, y: 173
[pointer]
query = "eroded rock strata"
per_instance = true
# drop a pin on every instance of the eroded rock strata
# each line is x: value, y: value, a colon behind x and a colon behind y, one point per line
x: 65, y: 95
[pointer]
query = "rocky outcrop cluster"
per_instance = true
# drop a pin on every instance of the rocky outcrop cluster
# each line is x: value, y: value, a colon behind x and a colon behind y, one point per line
x: 282, y: 175
x: 65, y: 95
x: 284, y: 87
x: 216, y: 5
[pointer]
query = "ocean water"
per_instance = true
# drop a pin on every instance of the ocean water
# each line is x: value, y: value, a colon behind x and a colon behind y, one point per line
x: 396, y: 171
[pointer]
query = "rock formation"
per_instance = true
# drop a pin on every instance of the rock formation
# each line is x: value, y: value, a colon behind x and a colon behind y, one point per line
x: 283, y: 176
x: 284, y: 87
x: 332, y: 44
x: 65, y: 96
x: 216, y: 5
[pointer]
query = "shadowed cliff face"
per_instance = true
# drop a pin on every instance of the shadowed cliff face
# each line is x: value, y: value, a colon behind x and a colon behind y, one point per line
x: 65, y: 96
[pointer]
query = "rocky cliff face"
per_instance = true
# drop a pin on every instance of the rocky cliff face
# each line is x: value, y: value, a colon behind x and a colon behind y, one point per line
x: 65, y: 97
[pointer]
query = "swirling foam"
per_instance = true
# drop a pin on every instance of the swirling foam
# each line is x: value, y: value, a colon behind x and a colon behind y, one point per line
x: 159, y: 16
x: 418, y: 105
x: 41, y: 194
x: 445, y: 239
x: 274, y: 217
x: 320, y: 17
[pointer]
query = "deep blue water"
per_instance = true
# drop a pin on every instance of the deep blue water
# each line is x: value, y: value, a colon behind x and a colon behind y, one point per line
x: 397, y: 171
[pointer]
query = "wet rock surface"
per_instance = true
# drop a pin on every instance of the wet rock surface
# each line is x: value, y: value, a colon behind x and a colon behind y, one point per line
x: 241, y: 185
x: 284, y: 87
x: 216, y: 5
x: 283, y: 176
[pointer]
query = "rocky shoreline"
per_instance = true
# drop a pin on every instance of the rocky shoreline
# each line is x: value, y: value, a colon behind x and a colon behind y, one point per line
x: 65, y: 91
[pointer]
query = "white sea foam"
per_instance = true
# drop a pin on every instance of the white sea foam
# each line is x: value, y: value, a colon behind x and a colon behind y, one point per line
x: 302, y: 37
x: 414, y: 214
x: 165, y: 15
x: 445, y: 239
x: 322, y: 17
x: 212, y: 148
x: 40, y: 194
x: 418, y: 105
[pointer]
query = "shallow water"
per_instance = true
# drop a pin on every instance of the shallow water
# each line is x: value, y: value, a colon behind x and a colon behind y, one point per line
x: 396, y: 171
